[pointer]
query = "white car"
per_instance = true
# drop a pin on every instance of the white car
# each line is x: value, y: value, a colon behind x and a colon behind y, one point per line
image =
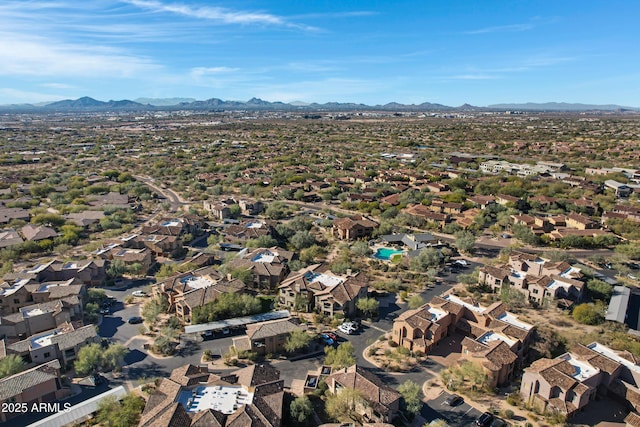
x: 139, y: 294
x: 461, y: 262
x: 347, y: 328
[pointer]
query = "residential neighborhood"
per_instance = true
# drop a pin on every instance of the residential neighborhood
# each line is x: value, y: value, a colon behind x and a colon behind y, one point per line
x: 292, y: 271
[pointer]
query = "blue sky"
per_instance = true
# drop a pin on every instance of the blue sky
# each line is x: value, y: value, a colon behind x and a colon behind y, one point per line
x: 376, y: 51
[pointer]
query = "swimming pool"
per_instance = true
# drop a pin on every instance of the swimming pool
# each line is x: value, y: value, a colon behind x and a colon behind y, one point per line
x: 387, y: 253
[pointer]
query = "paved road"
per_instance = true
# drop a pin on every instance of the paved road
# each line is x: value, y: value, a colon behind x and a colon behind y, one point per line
x: 172, y: 197
x: 458, y: 416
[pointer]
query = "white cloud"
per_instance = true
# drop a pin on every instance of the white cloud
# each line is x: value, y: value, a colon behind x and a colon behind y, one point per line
x: 217, y: 14
x: 324, y: 90
x: 205, y: 71
x: 472, y: 77
x: 502, y: 29
x: 34, y: 56
x: 11, y: 95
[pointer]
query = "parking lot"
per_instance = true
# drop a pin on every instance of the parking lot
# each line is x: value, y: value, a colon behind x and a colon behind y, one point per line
x: 458, y: 416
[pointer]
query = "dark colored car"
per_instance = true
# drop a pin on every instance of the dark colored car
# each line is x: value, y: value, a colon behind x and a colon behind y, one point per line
x: 484, y: 420
x: 332, y: 336
x: 454, y: 400
x: 498, y: 422
x: 135, y: 319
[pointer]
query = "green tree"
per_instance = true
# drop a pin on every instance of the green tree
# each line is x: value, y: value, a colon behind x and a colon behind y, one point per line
x: 302, y: 239
x: 96, y: 296
x: 599, y: 289
x: 412, y: 395
x: 91, y: 311
x: 513, y: 298
x: 342, y: 356
x: 115, y: 413
x: 426, y: 259
x: 343, y: 405
x: 415, y: 301
x: 588, y: 314
x: 301, y: 410
x: 226, y: 306
x: 11, y: 364
x: 368, y: 306
x: 465, y: 241
x: 89, y: 359
x: 116, y: 269
x: 113, y: 356
x: 297, y: 340
x: 360, y: 249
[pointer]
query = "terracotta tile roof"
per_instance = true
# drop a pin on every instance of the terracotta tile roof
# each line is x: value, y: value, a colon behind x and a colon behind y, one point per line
x: 498, y: 273
x: 189, y: 375
x: 254, y: 375
x: 162, y: 410
x: 633, y: 419
x: 562, y: 406
x: 496, y: 309
x: 596, y: 359
x: 271, y: 328
x: 498, y: 355
x: 377, y: 394
x: 209, y: 418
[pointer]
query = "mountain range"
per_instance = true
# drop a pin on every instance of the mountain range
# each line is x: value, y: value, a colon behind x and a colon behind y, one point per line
x: 87, y: 104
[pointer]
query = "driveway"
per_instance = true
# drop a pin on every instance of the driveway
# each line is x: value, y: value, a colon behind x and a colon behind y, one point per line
x: 458, y: 416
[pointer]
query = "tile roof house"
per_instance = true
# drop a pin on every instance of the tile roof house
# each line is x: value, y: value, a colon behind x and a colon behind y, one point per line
x: 316, y: 288
x: 494, y: 338
x: 128, y: 257
x: 86, y: 218
x: 569, y: 382
x: 61, y: 343
x: 9, y: 237
x: 37, y: 233
x: 41, y: 383
x: 192, y: 397
x: 353, y: 227
x: 37, y: 318
x: 382, y: 402
x: 90, y: 272
x: 266, y: 337
x: 423, y: 212
x: 247, y: 230
x: 268, y: 266
x: 9, y: 214
x: 192, y: 289
x: 540, y: 280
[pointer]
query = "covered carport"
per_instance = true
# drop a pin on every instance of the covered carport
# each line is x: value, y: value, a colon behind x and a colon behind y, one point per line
x: 235, y: 322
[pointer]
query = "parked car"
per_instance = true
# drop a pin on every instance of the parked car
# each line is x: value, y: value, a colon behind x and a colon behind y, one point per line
x: 461, y: 262
x: 454, y: 400
x: 332, y: 336
x: 326, y: 339
x: 105, y: 310
x: 484, y: 420
x: 348, y: 328
x: 139, y: 294
x: 135, y: 319
x: 207, y: 335
x: 498, y: 422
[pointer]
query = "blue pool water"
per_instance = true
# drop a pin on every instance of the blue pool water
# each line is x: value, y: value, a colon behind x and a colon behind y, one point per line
x: 387, y: 253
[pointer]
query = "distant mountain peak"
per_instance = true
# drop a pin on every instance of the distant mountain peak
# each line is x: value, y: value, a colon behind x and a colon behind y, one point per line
x: 87, y: 103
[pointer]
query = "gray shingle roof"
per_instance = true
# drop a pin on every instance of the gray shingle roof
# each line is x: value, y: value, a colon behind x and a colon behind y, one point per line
x: 16, y: 384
